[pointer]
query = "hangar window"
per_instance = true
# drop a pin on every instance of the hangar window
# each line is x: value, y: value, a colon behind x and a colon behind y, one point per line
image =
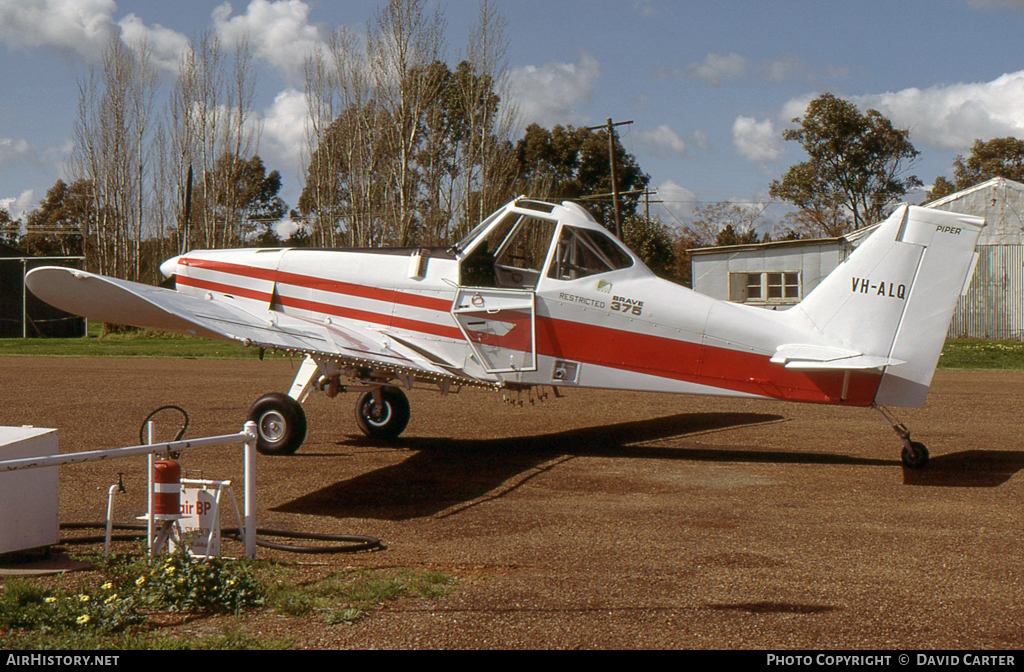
x: 771, y: 287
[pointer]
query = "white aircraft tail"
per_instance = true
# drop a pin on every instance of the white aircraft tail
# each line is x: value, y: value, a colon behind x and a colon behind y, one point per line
x: 892, y: 299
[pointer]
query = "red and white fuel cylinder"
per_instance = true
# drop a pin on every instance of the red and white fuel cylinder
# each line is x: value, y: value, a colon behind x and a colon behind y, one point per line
x: 166, y: 488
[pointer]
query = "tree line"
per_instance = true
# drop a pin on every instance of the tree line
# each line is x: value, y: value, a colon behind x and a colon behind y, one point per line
x: 403, y: 148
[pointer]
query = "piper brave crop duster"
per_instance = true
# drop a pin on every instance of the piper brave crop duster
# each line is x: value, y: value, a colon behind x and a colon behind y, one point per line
x: 541, y: 294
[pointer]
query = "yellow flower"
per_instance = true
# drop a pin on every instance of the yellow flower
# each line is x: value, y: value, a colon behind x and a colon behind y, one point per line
x: 50, y: 600
x: 110, y: 599
x: 83, y: 619
x: 107, y: 586
x: 83, y: 598
x: 169, y: 570
x: 139, y: 581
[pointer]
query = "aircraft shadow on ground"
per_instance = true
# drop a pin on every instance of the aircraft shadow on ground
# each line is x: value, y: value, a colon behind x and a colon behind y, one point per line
x: 967, y: 469
x: 443, y: 474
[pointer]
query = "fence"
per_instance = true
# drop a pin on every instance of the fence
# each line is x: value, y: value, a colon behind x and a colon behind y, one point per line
x: 21, y: 313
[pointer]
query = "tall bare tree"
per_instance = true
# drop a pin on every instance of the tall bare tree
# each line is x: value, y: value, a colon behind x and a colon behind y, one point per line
x: 401, y: 149
x: 111, y: 137
x: 210, y: 117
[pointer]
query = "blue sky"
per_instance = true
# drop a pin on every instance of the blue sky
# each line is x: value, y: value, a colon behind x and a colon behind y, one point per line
x: 709, y: 86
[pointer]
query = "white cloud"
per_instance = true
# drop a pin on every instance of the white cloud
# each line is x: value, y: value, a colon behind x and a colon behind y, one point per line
x: 661, y: 139
x: 279, y: 31
x: 18, y: 205
x: 948, y: 117
x: 548, y: 95
x: 758, y: 142
x: 713, y: 69
x: 81, y: 27
x: 678, y: 201
x: 14, y: 152
x: 954, y: 116
x: 781, y: 69
x: 166, y: 46
x: 283, y: 137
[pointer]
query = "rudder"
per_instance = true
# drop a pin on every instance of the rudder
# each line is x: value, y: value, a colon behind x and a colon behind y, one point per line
x: 894, y: 296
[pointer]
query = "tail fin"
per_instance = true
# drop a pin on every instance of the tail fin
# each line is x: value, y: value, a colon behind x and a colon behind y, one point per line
x: 894, y: 296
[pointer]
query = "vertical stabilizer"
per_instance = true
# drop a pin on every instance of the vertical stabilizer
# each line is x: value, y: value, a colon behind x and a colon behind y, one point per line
x: 895, y: 295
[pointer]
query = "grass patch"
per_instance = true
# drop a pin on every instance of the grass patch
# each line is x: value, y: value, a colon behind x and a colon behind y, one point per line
x: 347, y: 597
x: 960, y: 353
x: 129, y: 343
x: 119, y: 606
x: 970, y: 353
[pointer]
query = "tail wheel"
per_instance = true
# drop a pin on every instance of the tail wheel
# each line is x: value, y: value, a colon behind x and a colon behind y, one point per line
x: 915, y: 455
x: 280, y: 424
x: 385, y: 420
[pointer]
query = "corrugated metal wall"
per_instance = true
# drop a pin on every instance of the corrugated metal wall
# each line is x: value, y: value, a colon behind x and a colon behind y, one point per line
x: 994, y: 304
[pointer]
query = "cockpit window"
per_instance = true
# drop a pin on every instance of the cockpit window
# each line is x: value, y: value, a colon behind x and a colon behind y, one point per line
x: 584, y: 252
x: 511, y: 255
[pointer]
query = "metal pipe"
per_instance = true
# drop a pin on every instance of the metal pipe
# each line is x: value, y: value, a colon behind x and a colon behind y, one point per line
x: 129, y: 451
x: 250, y: 489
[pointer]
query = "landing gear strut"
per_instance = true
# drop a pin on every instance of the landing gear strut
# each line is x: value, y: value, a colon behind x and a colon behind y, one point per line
x: 915, y: 453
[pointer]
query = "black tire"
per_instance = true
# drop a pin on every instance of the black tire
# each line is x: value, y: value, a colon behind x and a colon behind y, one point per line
x: 387, y: 422
x: 915, y: 456
x: 280, y: 424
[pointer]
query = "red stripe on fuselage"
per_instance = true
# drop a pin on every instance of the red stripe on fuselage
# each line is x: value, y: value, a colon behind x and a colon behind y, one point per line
x: 701, y: 364
x: 320, y: 284
x: 564, y: 339
x: 372, y: 317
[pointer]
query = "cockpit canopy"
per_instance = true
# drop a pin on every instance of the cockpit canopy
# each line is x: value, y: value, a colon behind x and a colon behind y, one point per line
x: 513, y: 247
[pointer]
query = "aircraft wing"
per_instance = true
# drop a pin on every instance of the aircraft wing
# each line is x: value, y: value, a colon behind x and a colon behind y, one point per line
x: 108, y: 299
x: 824, y: 358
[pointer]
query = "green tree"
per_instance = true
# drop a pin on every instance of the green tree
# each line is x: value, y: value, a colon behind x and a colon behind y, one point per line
x: 9, y: 228
x: 238, y: 200
x: 63, y: 220
x: 999, y: 157
x: 857, y: 162
x: 572, y: 163
x: 652, y: 242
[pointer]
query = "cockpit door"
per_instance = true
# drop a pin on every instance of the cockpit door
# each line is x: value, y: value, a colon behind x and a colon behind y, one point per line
x: 499, y: 326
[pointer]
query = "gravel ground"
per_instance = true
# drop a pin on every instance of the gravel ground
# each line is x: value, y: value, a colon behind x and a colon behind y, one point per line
x: 601, y: 519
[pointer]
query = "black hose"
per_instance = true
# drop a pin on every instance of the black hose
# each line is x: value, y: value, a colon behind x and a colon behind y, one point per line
x: 354, y: 543
x: 181, y: 431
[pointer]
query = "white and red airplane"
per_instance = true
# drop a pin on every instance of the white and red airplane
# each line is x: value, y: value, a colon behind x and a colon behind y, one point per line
x: 540, y: 294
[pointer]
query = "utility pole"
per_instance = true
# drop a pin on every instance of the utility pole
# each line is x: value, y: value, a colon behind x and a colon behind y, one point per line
x: 647, y: 205
x: 611, y: 160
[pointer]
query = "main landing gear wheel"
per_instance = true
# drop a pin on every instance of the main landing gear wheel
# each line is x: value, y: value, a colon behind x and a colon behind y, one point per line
x: 915, y: 455
x: 280, y: 424
x: 384, y: 419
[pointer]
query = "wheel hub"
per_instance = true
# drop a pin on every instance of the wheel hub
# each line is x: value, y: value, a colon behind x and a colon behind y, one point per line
x: 272, y: 426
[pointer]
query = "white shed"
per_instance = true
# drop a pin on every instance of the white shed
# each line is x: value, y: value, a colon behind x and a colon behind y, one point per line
x: 772, y: 275
x: 777, y: 275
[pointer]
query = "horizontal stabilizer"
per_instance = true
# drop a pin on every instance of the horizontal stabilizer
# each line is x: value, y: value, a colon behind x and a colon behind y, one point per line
x: 823, y: 358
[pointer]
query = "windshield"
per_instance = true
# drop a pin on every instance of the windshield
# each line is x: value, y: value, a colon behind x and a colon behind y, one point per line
x: 477, y: 230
